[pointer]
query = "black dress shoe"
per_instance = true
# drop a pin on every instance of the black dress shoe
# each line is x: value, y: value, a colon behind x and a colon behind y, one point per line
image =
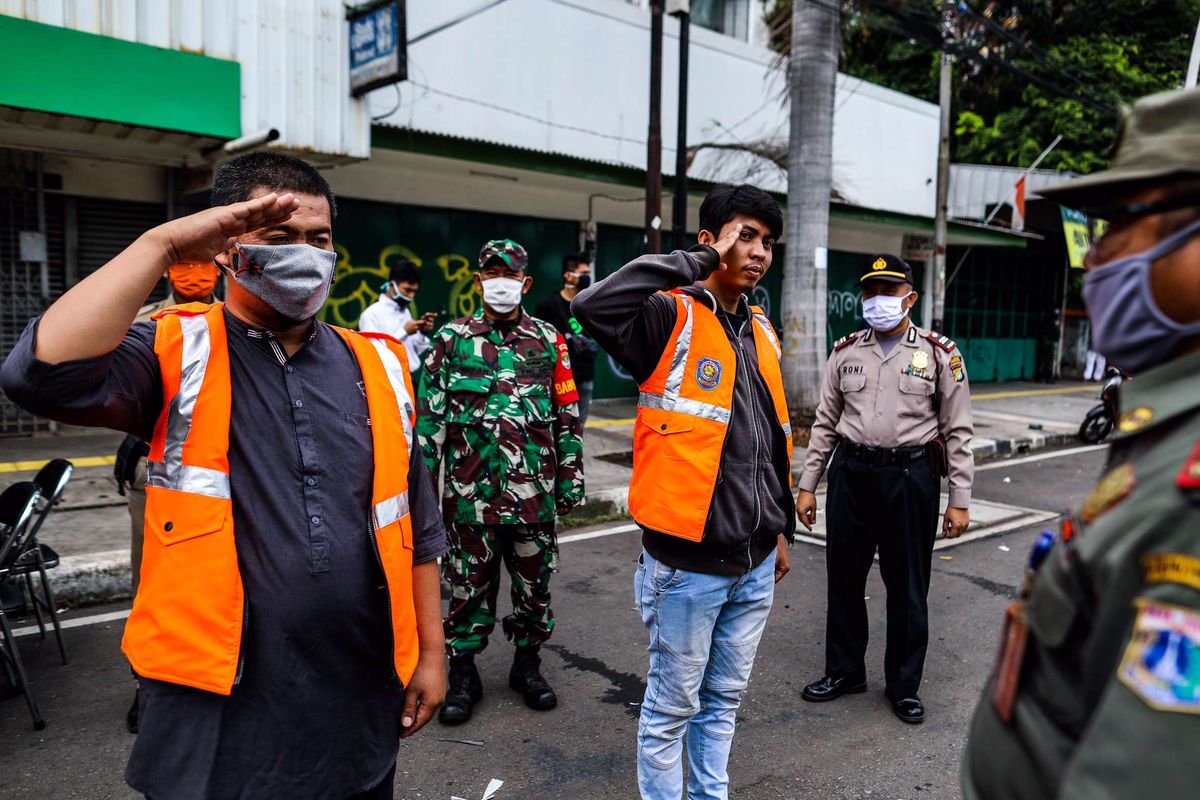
x: 466, y: 689
x: 910, y: 710
x: 526, y: 678
x: 828, y: 688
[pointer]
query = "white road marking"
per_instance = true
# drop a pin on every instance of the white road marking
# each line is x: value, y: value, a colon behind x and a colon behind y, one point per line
x: 75, y: 622
x: 1033, y: 517
x: 1039, y: 457
x: 579, y: 537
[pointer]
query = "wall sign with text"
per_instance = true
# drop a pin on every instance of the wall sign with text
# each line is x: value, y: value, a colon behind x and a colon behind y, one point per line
x: 378, y: 52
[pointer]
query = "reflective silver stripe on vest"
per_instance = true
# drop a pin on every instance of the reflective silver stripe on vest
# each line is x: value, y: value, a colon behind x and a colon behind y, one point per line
x: 395, y: 372
x: 765, y: 324
x: 682, y: 405
x: 171, y: 472
x: 787, y: 429
x: 670, y: 399
x: 183, y: 478
x: 391, y: 510
x: 679, y: 358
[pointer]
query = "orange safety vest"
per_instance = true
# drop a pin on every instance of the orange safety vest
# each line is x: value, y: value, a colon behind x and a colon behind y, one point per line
x: 187, y: 618
x: 683, y: 416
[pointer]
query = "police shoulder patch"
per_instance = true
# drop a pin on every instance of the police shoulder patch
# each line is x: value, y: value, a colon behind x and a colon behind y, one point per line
x: 1161, y: 664
x: 845, y: 340
x: 944, y: 342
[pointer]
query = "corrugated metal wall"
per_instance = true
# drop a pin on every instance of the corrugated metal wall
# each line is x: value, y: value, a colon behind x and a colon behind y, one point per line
x: 294, y: 57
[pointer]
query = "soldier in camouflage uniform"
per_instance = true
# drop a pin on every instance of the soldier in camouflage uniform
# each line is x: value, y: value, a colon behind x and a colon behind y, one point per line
x: 500, y: 409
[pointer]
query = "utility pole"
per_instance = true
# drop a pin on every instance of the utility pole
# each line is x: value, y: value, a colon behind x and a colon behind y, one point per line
x: 681, y: 9
x: 812, y: 82
x: 943, y: 169
x: 654, y: 137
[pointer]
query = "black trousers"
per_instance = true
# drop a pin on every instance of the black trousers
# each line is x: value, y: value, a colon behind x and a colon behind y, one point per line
x: 893, y: 509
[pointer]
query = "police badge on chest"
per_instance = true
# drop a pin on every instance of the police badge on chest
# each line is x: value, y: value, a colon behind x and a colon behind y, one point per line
x: 919, y: 366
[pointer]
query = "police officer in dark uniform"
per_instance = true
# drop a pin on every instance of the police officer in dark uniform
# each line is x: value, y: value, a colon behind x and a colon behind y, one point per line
x: 895, y: 414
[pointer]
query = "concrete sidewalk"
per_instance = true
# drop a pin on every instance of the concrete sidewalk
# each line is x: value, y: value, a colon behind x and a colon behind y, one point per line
x: 90, y: 530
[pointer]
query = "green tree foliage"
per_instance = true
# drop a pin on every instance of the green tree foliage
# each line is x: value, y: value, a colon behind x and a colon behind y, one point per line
x: 1026, y: 72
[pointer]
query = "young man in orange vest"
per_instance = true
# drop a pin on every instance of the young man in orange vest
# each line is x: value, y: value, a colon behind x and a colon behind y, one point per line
x: 711, y: 477
x: 287, y: 627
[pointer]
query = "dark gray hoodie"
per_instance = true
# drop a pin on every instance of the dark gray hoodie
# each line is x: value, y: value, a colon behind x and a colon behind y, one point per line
x: 752, y: 502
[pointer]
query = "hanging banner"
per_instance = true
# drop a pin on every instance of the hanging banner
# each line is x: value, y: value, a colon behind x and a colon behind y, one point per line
x: 1075, y: 231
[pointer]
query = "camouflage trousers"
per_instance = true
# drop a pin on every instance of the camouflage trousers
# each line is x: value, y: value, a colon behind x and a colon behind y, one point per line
x: 472, y: 568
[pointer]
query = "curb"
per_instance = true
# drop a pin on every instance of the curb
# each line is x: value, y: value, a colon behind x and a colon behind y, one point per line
x: 92, y: 578
x: 104, y: 577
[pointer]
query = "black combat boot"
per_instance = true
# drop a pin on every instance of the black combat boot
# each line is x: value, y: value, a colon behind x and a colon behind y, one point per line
x: 466, y: 689
x: 526, y: 678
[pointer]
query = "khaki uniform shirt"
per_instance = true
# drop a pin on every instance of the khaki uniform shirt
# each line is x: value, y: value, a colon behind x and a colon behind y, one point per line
x: 150, y: 309
x: 903, y: 399
x: 1104, y: 699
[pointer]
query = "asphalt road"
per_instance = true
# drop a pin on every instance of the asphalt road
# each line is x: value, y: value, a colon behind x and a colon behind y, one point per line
x: 785, y: 747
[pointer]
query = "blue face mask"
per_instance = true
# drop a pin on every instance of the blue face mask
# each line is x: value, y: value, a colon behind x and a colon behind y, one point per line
x: 1128, y: 327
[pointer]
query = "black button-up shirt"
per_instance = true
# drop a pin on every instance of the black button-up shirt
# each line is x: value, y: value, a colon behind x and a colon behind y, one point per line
x: 314, y: 713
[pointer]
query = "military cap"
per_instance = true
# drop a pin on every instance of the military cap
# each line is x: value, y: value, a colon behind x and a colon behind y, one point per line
x: 508, y: 251
x: 1159, y: 138
x: 887, y: 268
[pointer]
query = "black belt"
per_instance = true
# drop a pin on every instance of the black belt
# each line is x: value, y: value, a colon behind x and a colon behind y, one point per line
x: 882, y: 456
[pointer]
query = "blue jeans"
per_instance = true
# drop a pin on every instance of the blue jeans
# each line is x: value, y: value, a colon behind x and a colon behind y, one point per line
x: 704, y: 632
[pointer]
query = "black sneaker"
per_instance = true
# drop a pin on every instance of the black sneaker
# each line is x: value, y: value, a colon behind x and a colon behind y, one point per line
x: 466, y: 689
x: 526, y: 677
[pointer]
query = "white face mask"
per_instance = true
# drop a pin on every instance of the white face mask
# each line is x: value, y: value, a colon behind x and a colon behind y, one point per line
x: 884, y: 312
x: 502, y: 295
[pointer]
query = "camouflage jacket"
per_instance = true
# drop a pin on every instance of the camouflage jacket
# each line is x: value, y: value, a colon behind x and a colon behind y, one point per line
x: 500, y: 409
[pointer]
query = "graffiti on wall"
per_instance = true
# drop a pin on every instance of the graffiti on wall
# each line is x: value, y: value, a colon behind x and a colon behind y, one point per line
x: 842, y: 313
x: 356, y: 286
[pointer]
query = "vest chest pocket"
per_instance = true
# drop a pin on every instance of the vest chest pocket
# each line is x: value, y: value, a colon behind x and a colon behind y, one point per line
x: 173, y: 517
x: 664, y: 423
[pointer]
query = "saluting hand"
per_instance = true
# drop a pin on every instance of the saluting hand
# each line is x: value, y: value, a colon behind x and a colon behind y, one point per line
x: 726, y: 243
x: 955, y: 522
x: 201, y: 236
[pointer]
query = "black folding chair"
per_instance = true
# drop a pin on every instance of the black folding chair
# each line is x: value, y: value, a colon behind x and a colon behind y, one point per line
x: 17, y: 504
x: 37, y: 556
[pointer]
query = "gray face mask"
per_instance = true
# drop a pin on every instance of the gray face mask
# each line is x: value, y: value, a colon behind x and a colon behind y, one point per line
x: 293, y: 279
x: 1128, y: 327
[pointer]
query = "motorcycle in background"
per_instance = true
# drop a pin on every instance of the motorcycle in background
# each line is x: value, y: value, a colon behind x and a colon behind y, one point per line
x: 1098, y: 423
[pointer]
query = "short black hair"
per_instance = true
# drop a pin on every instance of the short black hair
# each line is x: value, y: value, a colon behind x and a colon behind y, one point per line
x: 405, y: 271
x: 238, y: 178
x: 573, y: 259
x: 724, y: 202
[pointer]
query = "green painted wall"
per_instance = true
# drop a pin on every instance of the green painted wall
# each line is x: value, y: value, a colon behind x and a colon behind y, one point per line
x: 992, y: 308
x: 370, y: 236
x: 62, y: 71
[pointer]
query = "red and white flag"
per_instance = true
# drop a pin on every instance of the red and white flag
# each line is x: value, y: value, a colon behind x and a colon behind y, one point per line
x: 1018, y: 217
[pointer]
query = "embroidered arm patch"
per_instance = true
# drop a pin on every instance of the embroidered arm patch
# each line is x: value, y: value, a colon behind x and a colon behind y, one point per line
x: 1162, y: 660
x: 565, y: 391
